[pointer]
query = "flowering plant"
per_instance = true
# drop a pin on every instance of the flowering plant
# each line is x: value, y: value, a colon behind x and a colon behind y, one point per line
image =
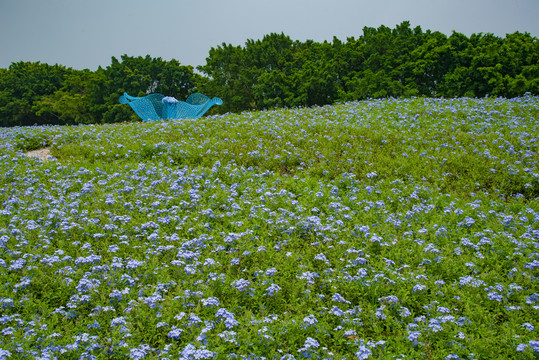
x: 370, y: 229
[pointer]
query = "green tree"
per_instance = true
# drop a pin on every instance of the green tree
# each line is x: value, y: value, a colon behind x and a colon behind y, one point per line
x: 140, y: 76
x: 520, y: 64
x: 315, y: 77
x: 239, y: 75
x: 77, y: 102
x: 383, y: 61
x: 277, y: 71
x: 457, y: 81
x: 22, y: 85
x: 227, y: 72
x: 430, y: 62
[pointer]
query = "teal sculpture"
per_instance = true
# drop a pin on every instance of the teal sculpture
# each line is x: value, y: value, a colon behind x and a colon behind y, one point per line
x: 158, y: 107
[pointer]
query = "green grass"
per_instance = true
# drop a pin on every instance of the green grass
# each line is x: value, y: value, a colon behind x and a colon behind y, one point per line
x: 397, y: 228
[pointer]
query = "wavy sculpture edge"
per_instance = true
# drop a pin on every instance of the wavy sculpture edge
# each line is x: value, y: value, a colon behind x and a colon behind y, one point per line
x: 156, y: 106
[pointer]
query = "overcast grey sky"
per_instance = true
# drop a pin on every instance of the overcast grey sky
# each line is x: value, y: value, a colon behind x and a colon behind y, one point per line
x: 86, y: 34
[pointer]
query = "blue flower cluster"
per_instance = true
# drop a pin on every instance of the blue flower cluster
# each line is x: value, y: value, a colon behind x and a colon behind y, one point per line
x: 185, y: 240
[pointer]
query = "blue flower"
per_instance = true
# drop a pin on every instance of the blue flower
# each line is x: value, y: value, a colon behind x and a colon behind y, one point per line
x: 273, y: 289
x: 338, y: 298
x: 310, y: 320
x: 404, y: 312
x: 241, y: 284
x: 137, y: 354
x: 175, y: 333
x: 495, y: 296
x: 228, y: 317
x: 118, y: 322
x: 4, y: 354
x: 534, y: 344
x: 321, y: 257
x: 309, y: 276
x: 390, y: 299
x: 364, y: 352
x: 310, y: 343
x: 190, y: 352
x: 228, y: 336
x: 210, y: 302
x: 17, y: 264
x: 133, y: 264
x: 380, y: 312
x: 413, y: 336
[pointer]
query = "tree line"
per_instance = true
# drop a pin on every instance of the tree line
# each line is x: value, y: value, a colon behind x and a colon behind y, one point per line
x: 277, y: 71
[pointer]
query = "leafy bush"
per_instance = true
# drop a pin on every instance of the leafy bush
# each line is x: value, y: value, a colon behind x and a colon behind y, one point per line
x: 375, y: 229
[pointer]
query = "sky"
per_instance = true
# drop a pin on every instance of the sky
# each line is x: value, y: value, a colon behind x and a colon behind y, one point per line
x: 86, y: 34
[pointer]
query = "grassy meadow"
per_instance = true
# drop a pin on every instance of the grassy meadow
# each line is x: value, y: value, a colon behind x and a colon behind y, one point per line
x: 383, y: 229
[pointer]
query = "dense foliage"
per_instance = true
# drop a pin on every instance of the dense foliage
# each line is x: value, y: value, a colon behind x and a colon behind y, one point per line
x: 279, y: 72
x: 399, y: 228
x: 276, y: 71
x: 34, y: 93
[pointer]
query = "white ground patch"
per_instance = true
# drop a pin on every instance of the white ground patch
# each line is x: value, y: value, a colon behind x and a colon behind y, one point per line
x: 42, y: 153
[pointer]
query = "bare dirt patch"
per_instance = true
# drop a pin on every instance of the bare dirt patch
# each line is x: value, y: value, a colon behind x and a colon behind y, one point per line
x: 42, y: 153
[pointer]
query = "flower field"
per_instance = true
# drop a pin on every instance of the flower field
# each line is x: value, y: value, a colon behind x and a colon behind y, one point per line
x: 384, y: 229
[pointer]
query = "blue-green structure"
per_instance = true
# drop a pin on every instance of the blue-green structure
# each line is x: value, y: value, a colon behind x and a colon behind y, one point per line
x: 158, y: 107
